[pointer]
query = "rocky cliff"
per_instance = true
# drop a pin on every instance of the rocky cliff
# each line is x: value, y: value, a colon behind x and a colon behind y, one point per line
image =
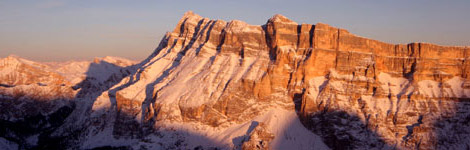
x: 365, y: 93
x: 282, y: 85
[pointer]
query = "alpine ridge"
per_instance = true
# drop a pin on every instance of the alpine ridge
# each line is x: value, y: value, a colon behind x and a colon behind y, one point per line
x: 212, y: 84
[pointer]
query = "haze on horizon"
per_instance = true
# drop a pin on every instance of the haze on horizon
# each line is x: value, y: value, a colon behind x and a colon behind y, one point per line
x: 55, y: 30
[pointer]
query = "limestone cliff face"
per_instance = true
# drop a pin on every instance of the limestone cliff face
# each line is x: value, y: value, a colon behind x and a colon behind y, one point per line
x: 365, y: 93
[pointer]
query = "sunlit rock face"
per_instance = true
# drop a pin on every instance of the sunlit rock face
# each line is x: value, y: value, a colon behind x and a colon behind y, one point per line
x: 281, y: 85
x: 365, y: 93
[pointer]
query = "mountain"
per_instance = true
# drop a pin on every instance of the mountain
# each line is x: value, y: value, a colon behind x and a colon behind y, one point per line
x: 19, y: 71
x: 36, y: 97
x: 212, y: 84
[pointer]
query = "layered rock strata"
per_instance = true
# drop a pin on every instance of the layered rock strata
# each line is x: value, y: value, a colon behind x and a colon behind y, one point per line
x: 219, y: 73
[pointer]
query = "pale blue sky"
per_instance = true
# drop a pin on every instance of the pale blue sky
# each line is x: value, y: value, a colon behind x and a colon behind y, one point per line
x: 55, y: 30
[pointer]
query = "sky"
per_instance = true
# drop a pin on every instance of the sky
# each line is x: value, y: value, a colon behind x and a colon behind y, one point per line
x: 61, y: 30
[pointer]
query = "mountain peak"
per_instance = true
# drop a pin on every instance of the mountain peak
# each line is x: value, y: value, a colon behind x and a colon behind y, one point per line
x: 190, y: 14
x: 12, y: 56
x: 118, y: 61
x: 189, y: 17
x: 12, y: 59
x: 281, y: 18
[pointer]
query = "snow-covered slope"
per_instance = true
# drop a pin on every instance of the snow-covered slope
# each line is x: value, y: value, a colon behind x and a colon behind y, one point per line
x: 101, y: 68
x: 36, y: 97
x: 18, y: 71
x: 211, y: 75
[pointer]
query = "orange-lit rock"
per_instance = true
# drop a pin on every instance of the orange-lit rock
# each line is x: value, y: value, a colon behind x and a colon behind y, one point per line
x: 232, y: 71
